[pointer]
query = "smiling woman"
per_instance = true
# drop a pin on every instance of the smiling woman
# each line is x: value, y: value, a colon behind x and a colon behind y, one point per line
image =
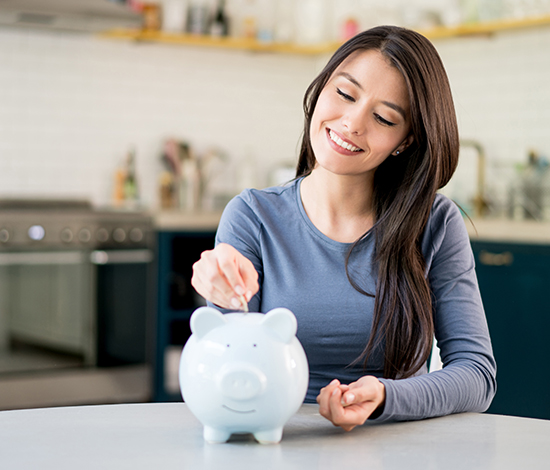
x: 361, y: 248
x: 366, y: 118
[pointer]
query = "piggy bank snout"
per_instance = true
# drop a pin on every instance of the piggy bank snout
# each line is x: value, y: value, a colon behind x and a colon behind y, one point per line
x: 241, y: 382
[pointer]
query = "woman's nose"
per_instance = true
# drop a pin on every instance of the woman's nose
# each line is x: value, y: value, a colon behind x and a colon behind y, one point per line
x: 354, y: 122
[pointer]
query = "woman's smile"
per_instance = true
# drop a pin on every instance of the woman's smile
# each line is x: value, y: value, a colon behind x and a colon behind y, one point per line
x: 341, y: 144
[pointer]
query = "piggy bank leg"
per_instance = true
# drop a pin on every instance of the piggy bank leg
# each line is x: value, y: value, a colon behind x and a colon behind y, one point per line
x: 215, y: 436
x: 271, y: 436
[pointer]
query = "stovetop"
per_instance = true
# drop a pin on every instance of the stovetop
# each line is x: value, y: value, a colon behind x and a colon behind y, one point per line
x: 69, y: 224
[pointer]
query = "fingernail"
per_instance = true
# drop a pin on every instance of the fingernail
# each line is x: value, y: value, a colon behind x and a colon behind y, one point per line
x: 239, y: 290
x: 350, y: 397
x: 334, y: 392
x: 235, y: 302
x: 334, y: 382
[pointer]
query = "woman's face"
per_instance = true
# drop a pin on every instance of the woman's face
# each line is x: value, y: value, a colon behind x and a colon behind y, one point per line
x: 362, y: 115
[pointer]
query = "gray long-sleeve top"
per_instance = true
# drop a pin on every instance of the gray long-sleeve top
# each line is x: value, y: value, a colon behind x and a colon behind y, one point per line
x: 303, y: 270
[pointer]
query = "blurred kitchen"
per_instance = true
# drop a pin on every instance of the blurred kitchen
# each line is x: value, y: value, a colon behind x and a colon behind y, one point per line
x: 126, y: 126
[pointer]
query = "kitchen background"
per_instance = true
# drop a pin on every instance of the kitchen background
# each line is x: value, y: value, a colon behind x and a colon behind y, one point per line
x: 74, y: 105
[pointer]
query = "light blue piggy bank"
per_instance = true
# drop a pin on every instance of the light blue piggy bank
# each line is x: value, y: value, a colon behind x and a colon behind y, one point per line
x: 243, y: 373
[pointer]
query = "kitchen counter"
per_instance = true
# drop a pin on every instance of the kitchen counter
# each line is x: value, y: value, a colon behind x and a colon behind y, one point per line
x: 503, y: 230
x: 175, y: 220
x: 165, y: 435
x: 511, y: 231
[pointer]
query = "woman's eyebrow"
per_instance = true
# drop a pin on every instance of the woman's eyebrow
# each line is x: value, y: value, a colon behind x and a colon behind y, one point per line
x: 351, y: 78
x: 398, y: 108
x: 389, y: 104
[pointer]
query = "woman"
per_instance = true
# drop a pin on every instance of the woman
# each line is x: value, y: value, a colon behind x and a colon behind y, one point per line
x: 371, y: 261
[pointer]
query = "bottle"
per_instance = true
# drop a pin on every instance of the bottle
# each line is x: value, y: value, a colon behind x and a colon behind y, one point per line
x: 265, y: 26
x: 130, y: 182
x: 197, y: 17
x: 249, y: 19
x: 219, y: 26
x: 118, y: 188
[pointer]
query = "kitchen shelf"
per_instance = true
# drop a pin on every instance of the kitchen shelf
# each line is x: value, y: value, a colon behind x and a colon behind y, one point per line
x: 246, y: 44
x: 486, y: 28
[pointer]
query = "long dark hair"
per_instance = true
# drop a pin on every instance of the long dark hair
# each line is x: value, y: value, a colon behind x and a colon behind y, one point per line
x: 404, y: 190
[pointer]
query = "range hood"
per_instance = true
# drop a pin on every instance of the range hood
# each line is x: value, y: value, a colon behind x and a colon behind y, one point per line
x: 87, y: 16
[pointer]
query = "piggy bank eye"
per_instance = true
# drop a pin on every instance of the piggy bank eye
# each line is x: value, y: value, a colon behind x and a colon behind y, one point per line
x: 254, y: 345
x: 228, y: 345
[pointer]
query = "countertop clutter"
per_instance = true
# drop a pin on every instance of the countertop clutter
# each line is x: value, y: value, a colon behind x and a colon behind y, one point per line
x: 146, y: 436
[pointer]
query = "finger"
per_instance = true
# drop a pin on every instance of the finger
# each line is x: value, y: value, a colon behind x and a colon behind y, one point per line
x: 249, y: 275
x: 228, y: 262
x: 210, y: 282
x: 338, y: 415
x: 211, y: 293
x: 324, y: 397
x: 366, y: 389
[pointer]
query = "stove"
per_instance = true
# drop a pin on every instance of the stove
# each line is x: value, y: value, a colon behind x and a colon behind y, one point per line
x: 75, y: 280
x: 70, y: 224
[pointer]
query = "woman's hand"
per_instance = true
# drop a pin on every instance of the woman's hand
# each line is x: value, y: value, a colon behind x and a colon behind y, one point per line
x: 223, y: 275
x: 350, y: 405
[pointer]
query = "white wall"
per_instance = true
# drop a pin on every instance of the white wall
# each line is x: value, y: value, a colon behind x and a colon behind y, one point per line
x: 501, y: 87
x: 71, y: 105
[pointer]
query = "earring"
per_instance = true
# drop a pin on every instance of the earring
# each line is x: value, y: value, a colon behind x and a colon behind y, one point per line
x: 397, y: 152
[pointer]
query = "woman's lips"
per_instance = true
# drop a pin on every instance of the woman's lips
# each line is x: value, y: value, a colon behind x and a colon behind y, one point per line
x: 336, y: 141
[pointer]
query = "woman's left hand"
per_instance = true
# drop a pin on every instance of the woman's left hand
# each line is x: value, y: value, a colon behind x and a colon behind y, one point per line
x: 350, y: 405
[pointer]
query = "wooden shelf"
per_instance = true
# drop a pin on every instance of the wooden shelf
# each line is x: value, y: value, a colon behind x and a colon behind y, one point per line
x: 486, y: 28
x: 218, y: 43
x: 476, y: 29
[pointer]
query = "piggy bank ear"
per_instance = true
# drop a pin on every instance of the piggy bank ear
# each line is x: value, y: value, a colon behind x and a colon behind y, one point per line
x: 205, y: 319
x: 282, y: 322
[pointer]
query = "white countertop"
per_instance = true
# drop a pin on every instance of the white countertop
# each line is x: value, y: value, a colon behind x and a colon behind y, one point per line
x: 505, y: 230
x: 499, y: 230
x: 166, y: 436
x: 186, y: 221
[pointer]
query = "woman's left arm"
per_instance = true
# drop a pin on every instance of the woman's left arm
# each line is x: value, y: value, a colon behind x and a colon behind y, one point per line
x: 467, y: 381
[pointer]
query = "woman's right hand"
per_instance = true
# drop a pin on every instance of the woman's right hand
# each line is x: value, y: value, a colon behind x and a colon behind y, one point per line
x: 223, y: 275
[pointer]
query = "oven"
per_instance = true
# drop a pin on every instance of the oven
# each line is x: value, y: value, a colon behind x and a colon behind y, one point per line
x: 75, y: 289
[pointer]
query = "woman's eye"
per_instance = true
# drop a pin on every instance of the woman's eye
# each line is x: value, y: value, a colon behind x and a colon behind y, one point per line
x: 381, y: 120
x: 344, y: 95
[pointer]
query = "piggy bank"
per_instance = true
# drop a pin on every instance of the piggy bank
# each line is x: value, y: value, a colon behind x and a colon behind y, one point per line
x: 243, y: 373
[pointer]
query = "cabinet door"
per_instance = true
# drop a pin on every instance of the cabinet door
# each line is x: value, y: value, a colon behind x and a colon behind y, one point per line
x: 514, y: 281
x: 177, y: 252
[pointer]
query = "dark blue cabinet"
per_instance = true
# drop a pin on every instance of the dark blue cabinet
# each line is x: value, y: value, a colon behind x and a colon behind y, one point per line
x: 514, y: 281
x: 176, y: 299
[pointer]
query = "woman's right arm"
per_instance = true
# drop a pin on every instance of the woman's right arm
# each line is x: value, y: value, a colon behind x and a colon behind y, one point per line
x: 223, y: 275
x: 234, y: 267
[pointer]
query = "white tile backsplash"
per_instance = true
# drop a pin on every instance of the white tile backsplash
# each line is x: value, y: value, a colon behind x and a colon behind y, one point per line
x: 71, y: 105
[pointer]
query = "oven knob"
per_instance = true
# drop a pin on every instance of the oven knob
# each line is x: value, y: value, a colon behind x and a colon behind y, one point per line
x: 102, y: 235
x: 66, y: 235
x: 119, y: 235
x: 85, y: 235
x: 136, y: 235
x: 4, y: 235
x: 36, y: 232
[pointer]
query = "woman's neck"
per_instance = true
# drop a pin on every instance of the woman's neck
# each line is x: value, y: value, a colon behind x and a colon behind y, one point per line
x: 340, y: 206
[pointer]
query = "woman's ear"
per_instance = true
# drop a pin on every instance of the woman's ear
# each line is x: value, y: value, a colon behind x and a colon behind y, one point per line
x: 404, y: 145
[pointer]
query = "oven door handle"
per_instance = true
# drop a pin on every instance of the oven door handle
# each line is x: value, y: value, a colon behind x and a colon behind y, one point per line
x: 101, y: 257
x: 42, y: 258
